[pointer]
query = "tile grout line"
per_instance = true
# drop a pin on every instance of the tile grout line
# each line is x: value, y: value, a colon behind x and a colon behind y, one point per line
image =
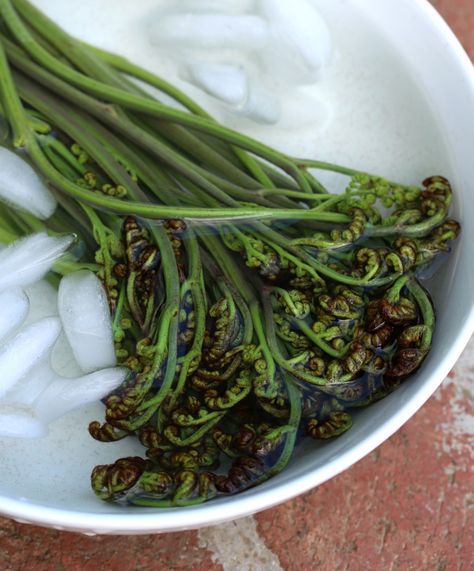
x: 237, y: 546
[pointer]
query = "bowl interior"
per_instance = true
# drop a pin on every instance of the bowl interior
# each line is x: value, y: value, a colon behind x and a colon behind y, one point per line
x: 47, y: 481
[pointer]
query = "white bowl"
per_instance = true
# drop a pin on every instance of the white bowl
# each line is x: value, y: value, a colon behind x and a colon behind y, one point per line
x: 444, y: 72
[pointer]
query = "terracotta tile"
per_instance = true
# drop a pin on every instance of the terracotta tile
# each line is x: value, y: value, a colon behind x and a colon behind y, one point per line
x: 24, y: 547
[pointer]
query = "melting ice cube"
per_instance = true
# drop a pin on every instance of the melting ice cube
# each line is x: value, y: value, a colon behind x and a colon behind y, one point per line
x: 227, y: 82
x: 22, y: 188
x: 231, y: 84
x: 210, y: 31
x: 29, y: 387
x: 20, y: 422
x: 219, y: 6
x: 25, y: 350
x: 301, y: 41
x: 261, y: 105
x: 14, y: 307
x: 43, y: 301
x: 85, y: 316
x: 64, y: 395
x: 29, y: 259
x: 63, y: 361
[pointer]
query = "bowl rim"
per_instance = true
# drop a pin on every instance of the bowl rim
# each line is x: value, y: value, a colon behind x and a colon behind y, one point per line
x: 208, y: 514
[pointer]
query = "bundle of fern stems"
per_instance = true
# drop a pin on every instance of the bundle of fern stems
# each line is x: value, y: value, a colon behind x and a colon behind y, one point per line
x: 251, y: 305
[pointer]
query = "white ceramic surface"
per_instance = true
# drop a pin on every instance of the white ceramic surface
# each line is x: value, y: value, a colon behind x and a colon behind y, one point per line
x: 446, y: 77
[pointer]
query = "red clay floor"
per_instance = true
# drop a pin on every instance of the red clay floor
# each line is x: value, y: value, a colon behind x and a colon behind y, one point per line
x: 407, y: 506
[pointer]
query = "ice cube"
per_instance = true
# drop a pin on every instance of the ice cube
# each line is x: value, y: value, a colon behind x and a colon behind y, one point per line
x: 85, y: 316
x: 14, y: 307
x: 231, y: 85
x: 27, y: 390
x: 215, y: 6
x: 25, y: 350
x: 63, y: 361
x: 29, y: 259
x: 43, y: 301
x: 210, y: 31
x: 225, y: 81
x: 261, y: 105
x: 22, y: 188
x: 64, y: 395
x: 19, y: 422
x: 301, y: 41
